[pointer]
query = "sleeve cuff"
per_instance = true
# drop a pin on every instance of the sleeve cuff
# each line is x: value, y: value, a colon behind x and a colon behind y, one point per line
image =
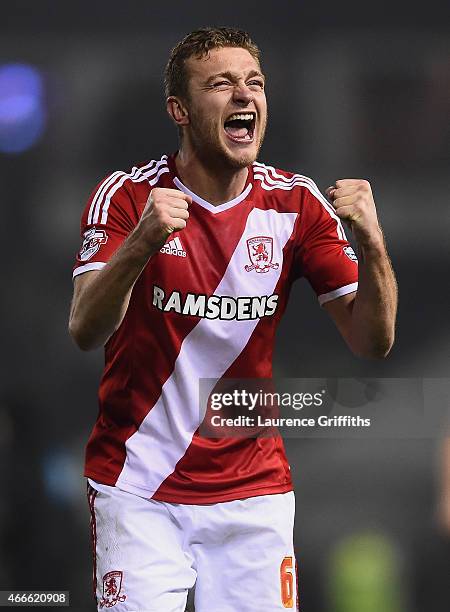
x: 96, y: 265
x: 332, y: 295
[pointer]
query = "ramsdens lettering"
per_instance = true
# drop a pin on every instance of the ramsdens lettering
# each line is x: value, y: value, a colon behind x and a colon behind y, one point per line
x: 222, y: 307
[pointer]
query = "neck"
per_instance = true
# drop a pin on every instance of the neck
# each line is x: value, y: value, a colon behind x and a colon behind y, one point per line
x: 215, y: 185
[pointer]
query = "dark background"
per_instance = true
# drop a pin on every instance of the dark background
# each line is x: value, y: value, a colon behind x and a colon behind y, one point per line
x: 350, y: 95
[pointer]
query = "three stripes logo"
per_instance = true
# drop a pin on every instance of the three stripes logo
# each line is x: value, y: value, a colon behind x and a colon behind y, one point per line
x: 174, y: 247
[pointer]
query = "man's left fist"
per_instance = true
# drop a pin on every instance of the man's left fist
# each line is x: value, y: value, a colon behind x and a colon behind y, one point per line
x: 354, y: 203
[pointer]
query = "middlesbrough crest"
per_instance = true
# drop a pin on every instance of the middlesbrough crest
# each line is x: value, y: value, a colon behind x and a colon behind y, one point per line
x: 112, y: 585
x: 260, y: 252
x: 93, y: 239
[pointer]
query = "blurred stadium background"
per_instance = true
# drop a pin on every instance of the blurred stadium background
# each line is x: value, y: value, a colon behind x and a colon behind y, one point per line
x: 349, y: 96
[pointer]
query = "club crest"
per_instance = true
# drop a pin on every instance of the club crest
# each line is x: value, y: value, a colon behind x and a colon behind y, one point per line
x: 112, y: 585
x: 260, y: 252
x: 93, y: 239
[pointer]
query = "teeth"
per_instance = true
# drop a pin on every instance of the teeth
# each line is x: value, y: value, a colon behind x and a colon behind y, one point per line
x: 241, y: 116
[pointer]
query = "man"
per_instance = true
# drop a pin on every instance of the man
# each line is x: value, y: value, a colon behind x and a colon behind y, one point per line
x: 183, y: 275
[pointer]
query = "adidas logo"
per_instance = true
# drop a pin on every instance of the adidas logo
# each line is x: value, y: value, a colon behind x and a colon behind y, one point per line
x: 174, y: 247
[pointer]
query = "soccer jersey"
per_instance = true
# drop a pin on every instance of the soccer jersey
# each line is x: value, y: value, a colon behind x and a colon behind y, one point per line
x: 206, y: 306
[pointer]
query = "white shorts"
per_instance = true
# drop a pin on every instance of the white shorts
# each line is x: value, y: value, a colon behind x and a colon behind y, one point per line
x: 148, y: 554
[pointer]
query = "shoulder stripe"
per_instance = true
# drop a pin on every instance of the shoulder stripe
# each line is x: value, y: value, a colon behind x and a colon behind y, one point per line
x: 163, y: 170
x: 107, y: 183
x: 271, y: 171
x: 109, y: 180
x: 138, y: 178
x: 113, y: 182
x: 115, y: 177
x: 268, y: 183
x: 261, y: 172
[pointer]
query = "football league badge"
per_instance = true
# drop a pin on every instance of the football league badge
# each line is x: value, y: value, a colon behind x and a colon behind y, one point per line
x: 92, y: 240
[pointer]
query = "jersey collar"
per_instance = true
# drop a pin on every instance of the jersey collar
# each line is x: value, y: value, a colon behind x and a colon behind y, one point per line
x: 214, y: 208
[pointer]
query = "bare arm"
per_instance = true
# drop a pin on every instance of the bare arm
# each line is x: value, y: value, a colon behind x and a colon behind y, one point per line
x: 444, y: 502
x: 366, y: 319
x: 101, y: 298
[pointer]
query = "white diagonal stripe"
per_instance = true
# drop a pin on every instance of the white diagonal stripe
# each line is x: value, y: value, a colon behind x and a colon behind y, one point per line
x: 153, y: 451
x: 178, y: 244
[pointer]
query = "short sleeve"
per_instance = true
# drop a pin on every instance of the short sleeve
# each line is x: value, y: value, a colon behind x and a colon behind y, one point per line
x: 108, y: 218
x: 323, y: 254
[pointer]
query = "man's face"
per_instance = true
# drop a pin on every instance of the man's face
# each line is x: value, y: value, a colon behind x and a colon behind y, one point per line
x: 227, y: 107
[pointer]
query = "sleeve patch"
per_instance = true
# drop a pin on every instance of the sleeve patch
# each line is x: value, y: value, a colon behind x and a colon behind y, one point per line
x: 93, y: 238
x: 350, y: 253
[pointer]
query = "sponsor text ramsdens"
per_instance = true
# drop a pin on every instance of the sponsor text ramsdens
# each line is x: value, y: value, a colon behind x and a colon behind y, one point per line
x: 215, y: 306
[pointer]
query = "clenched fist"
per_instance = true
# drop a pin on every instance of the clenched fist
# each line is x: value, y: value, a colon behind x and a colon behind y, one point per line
x: 166, y: 211
x: 354, y: 203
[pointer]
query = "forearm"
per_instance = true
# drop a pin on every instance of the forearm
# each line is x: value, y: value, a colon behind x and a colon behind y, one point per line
x: 374, y: 310
x: 446, y: 469
x: 98, y: 309
x: 101, y: 300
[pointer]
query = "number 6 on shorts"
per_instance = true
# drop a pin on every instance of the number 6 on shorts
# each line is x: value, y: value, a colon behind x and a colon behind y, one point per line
x: 287, y: 582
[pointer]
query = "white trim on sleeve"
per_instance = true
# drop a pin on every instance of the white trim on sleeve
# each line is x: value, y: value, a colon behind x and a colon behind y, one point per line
x: 332, y: 295
x: 95, y: 265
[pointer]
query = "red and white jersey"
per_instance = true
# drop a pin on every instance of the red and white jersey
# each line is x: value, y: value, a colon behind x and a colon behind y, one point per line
x: 206, y: 306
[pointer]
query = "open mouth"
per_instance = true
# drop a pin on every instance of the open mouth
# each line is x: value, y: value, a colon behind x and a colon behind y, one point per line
x: 240, y: 127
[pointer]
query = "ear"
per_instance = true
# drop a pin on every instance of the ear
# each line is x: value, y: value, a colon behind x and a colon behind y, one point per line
x: 177, y: 110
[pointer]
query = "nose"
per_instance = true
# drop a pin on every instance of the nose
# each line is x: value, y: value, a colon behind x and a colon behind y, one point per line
x: 242, y: 94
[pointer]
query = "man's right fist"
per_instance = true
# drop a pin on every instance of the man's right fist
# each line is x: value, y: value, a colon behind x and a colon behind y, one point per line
x: 166, y: 211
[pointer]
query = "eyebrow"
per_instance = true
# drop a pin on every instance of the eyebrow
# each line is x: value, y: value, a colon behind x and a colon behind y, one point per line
x: 231, y: 77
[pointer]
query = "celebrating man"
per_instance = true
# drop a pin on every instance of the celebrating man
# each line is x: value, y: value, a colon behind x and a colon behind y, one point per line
x: 184, y: 273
